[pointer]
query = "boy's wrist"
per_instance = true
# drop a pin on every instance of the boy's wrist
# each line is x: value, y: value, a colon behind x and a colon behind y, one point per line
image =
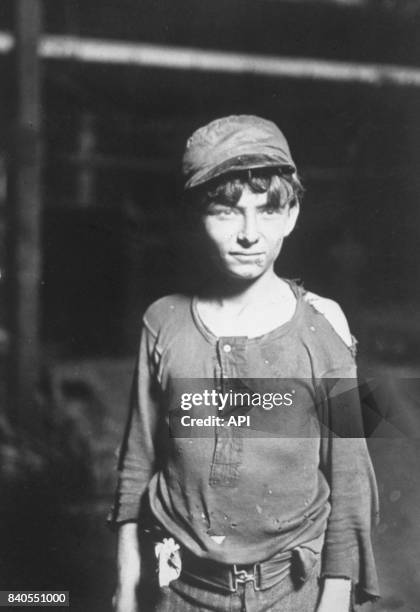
x: 336, y: 595
x: 337, y: 584
x: 129, y: 571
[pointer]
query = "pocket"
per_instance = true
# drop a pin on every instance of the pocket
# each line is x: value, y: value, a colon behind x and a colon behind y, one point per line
x: 305, y: 562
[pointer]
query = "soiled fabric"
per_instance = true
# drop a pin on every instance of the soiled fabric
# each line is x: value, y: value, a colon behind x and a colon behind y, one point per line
x: 299, y: 474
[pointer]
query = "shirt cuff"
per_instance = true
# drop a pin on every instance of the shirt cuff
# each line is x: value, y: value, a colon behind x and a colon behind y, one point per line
x: 125, y: 510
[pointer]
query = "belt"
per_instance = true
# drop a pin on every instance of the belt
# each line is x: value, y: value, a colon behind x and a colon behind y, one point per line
x: 227, y: 578
x: 264, y: 574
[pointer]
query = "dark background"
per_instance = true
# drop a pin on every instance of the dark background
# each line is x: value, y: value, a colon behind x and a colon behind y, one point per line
x: 112, y: 139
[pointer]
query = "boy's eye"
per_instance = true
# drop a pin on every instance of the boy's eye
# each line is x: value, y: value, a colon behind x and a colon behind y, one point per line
x: 221, y: 211
x: 270, y: 210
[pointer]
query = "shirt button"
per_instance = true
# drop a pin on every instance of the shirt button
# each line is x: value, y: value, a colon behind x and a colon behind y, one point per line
x: 227, y: 348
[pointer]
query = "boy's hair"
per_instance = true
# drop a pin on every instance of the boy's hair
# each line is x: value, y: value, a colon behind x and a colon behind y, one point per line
x: 282, y: 188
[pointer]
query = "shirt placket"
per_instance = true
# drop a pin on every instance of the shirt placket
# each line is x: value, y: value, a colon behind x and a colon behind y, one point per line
x: 228, y: 448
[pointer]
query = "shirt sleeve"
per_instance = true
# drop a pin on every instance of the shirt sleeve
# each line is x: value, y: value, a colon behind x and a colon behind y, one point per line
x: 137, y: 456
x: 347, y: 466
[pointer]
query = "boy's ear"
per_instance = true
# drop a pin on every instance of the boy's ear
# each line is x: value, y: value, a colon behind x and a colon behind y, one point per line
x: 293, y: 213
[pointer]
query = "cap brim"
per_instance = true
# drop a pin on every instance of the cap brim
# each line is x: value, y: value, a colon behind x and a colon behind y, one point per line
x: 236, y: 164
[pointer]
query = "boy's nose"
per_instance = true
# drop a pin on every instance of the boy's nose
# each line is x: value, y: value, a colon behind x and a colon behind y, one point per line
x: 249, y: 233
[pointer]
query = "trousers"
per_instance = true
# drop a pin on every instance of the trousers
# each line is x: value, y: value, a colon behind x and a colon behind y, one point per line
x: 285, y: 596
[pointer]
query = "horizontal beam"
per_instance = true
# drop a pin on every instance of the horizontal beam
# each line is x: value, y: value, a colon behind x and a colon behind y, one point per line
x: 96, y: 51
x: 169, y: 166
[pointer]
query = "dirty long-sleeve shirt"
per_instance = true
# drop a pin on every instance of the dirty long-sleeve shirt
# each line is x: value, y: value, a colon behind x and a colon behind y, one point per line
x: 294, y: 472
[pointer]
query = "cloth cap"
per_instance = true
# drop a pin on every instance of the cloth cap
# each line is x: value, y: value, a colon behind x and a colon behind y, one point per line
x: 238, y: 142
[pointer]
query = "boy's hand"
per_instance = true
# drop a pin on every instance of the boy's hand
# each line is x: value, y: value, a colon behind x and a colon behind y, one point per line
x: 335, y: 595
x: 125, y: 597
x: 125, y: 600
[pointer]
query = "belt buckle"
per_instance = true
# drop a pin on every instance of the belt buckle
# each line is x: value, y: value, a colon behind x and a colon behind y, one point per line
x: 241, y: 576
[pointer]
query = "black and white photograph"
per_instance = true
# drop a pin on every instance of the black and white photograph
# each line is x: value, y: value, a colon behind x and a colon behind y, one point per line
x: 210, y: 305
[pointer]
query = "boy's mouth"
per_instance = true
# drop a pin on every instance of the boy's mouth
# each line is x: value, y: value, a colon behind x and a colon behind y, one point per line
x: 249, y: 258
x: 250, y: 255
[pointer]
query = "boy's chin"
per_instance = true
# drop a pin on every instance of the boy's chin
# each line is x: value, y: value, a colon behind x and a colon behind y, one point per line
x: 245, y: 275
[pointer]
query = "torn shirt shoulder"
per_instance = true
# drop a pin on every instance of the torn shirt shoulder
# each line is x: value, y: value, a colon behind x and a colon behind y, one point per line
x: 333, y: 313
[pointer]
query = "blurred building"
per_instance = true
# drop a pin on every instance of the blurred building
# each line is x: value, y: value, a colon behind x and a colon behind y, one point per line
x: 113, y: 132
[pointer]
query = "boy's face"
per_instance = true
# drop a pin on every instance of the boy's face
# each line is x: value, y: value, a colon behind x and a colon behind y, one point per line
x: 246, y: 238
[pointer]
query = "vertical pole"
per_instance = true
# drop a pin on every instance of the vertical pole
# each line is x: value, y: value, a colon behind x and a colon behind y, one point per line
x: 25, y: 210
x: 85, y: 196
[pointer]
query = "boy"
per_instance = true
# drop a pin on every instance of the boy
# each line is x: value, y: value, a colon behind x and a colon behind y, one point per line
x: 273, y: 514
